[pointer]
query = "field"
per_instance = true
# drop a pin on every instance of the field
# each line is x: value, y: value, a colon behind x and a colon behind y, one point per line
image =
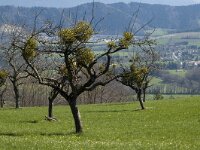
x: 166, y: 124
x: 180, y: 72
x: 191, y: 37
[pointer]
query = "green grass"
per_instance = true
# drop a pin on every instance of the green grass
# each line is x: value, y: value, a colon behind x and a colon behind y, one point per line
x: 180, y: 72
x: 159, y: 31
x: 191, y: 37
x: 171, y: 96
x: 162, y: 41
x: 167, y: 124
x: 194, y: 42
x: 156, y: 81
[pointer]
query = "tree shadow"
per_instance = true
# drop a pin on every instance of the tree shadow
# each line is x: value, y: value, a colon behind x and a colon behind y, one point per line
x: 10, y: 108
x: 58, y: 134
x: 117, y: 111
x: 30, y: 121
x: 11, y: 134
x: 106, y: 111
x: 139, y: 109
x: 146, y: 108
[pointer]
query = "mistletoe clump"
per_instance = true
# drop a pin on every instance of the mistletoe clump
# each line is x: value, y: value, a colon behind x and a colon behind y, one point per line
x: 3, y: 76
x: 84, y: 31
x: 85, y: 56
x: 111, y: 45
x: 81, y: 32
x: 126, y: 41
x: 135, y: 75
x: 29, y: 52
x: 67, y: 36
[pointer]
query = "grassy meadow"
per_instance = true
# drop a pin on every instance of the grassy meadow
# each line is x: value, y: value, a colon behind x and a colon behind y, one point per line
x: 165, y: 125
x: 180, y: 72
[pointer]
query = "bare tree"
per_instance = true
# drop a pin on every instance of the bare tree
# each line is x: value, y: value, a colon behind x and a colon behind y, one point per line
x: 15, y: 64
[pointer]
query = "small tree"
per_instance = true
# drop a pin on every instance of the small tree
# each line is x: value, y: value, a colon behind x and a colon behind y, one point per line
x: 15, y: 64
x: 138, y: 75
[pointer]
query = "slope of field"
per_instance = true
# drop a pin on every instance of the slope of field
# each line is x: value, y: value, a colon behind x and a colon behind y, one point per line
x: 167, y: 124
x: 191, y: 37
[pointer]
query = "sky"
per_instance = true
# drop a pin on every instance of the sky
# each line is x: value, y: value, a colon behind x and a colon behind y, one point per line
x: 71, y: 3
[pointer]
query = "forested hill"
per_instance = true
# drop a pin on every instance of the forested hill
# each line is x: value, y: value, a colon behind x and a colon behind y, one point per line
x: 117, y: 15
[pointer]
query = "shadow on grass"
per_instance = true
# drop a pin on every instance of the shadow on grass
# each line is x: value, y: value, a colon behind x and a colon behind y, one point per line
x: 111, y: 104
x: 146, y: 108
x: 106, y: 111
x: 11, y: 134
x: 10, y: 108
x: 117, y: 111
x: 58, y: 134
x: 139, y: 109
x: 30, y: 121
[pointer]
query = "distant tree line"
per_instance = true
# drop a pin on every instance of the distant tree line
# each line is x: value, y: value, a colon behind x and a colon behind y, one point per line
x: 176, y: 84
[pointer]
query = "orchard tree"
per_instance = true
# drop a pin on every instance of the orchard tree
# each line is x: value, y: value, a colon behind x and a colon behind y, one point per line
x: 138, y: 75
x: 74, y: 66
x: 15, y: 63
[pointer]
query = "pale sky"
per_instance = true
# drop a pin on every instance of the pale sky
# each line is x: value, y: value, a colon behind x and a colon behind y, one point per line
x: 71, y: 3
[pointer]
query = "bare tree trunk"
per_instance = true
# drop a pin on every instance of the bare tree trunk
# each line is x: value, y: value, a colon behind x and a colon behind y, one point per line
x: 50, y: 109
x: 16, y: 91
x: 76, y: 115
x: 139, y: 97
x: 51, y: 98
x: 144, y: 95
x: 1, y: 99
